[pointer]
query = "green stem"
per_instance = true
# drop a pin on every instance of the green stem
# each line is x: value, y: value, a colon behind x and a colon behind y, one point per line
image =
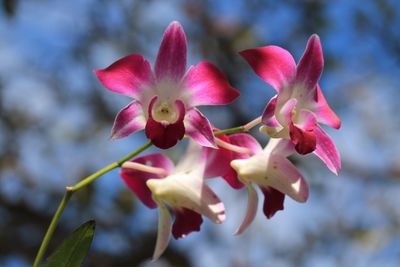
x: 73, y: 189
x: 107, y: 168
x: 233, y: 130
x: 240, y: 129
x: 52, y: 227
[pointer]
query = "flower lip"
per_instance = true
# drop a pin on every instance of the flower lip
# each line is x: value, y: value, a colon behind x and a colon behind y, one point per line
x: 164, y: 111
x: 165, y: 133
x: 305, y: 141
x: 273, y: 201
x: 186, y: 221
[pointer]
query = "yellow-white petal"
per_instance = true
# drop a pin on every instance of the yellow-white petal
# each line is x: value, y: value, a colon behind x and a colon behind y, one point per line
x: 188, y: 191
x: 252, y: 203
x: 164, y: 231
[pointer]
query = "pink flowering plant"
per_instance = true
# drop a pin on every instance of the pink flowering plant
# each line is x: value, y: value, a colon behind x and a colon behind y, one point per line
x: 164, y: 101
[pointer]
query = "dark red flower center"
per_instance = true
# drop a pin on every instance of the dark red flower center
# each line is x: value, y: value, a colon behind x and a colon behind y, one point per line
x: 273, y: 201
x: 304, y: 141
x: 186, y: 221
x: 165, y: 125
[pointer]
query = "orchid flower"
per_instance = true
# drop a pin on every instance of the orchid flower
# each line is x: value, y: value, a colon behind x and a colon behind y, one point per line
x: 165, y: 99
x: 181, y: 189
x: 241, y: 161
x: 276, y: 176
x: 298, y: 107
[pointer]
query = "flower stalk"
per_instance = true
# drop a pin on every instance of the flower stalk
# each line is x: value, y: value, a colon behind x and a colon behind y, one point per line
x: 247, y: 127
x: 52, y: 228
x: 107, y: 168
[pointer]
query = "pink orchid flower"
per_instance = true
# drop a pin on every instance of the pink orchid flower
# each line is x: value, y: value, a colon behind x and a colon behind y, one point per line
x: 165, y: 99
x: 181, y: 189
x: 276, y: 176
x: 298, y: 107
x: 241, y: 161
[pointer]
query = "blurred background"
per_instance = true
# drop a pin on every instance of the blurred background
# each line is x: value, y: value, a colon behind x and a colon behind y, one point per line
x: 55, y: 119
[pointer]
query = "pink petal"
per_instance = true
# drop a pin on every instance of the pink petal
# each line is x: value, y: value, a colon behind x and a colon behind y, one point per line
x: 186, y: 221
x: 199, y: 128
x: 273, y: 201
x: 327, y: 151
x: 252, y: 203
x: 268, y: 116
x: 283, y: 147
x: 193, y: 161
x: 311, y: 64
x: 211, y: 206
x: 164, y: 231
x: 207, y: 85
x: 306, y: 120
x: 171, y: 58
x: 287, y: 110
x: 128, y: 121
x: 232, y: 179
x: 218, y: 160
x: 304, y: 141
x: 127, y: 76
x: 244, y: 140
x: 136, y: 180
x: 273, y: 64
x: 164, y: 135
x: 324, y: 113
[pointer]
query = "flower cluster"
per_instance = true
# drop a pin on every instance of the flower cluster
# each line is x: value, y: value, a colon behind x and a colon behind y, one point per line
x: 164, y: 105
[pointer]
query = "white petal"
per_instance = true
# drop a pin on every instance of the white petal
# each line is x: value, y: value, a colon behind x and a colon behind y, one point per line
x: 286, y: 178
x: 184, y: 190
x: 164, y: 231
x: 253, y: 168
x: 283, y: 147
x: 268, y: 169
x: 193, y: 161
x: 211, y: 206
x: 252, y: 204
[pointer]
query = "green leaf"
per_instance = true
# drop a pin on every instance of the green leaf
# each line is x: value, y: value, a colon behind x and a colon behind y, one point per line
x: 74, y: 249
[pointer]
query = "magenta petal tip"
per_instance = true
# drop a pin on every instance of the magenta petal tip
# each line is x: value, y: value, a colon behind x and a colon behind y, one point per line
x: 171, y: 58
